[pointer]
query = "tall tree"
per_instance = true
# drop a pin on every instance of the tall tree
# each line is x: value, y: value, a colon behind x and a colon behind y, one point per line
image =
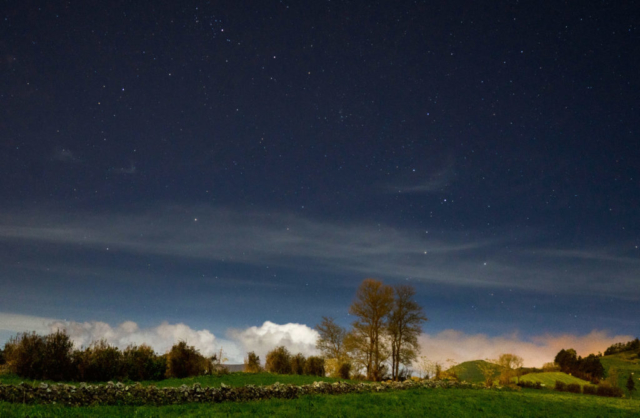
x: 331, y: 339
x: 371, y: 307
x: 404, y: 328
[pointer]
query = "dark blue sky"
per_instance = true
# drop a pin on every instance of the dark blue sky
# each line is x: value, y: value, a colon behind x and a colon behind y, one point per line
x: 225, y: 163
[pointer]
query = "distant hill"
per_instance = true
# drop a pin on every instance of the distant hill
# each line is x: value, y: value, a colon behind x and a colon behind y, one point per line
x: 469, y: 371
x: 625, y: 363
x: 548, y: 379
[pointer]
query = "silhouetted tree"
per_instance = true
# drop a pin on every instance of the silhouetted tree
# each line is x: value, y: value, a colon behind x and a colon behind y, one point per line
x: 403, y: 328
x: 314, y: 366
x: 297, y: 364
x: 566, y: 360
x: 184, y: 361
x: 57, y: 361
x: 371, y: 307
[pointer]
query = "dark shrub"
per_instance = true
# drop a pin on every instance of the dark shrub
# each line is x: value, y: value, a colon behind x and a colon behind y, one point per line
x: 529, y: 384
x: 590, y: 390
x: 609, y: 391
x: 297, y: 364
x: 252, y: 363
x: 184, y: 361
x: 560, y: 386
x: 99, y: 362
x: 2, y: 360
x: 278, y: 361
x: 25, y: 353
x: 142, y: 363
x: 57, y: 362
x: 344, y: 370
x: 574, y: 388
x: 314, y: 366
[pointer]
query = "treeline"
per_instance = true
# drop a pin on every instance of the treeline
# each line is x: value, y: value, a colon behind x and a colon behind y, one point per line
x: 281, y: 361
x: 633, y: 345
x: 588, y: 368
x: 383, y: 339
x: 53, y: 357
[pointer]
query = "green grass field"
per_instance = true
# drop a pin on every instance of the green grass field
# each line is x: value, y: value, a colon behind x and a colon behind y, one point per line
x: 469, y: 371
x: 548, y: 379
x: 417, y: 402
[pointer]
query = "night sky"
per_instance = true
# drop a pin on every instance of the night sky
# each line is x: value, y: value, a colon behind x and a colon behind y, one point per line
x: 222, y: 164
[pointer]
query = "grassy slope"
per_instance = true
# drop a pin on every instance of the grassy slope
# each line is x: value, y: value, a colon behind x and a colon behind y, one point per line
x: 232, y: 379
x: 469, y: 371
x: 626, y: 363
x: 418, y: 402
x: 549, y: 379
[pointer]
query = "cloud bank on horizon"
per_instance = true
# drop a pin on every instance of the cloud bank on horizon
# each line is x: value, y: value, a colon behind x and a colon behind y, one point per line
x: 300, y: 338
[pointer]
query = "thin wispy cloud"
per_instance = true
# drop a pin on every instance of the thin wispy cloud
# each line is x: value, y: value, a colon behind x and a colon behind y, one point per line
x: 422, y: 180
x: 124, y: 170
x: 65, y: 155
x: 290, y: 241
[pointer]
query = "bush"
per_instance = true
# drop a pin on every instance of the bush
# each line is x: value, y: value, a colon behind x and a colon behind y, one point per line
x: 252, y: 363
x: 560, y: 386
x: 529, y: 384
x: 344, y: 370
x: 590, y: 390
x: 609, y: 391
x: 297, y: 364
x: 314, y: 366
x: 99, y: 362
x: 574, y: 388
x: 57, y: 362
x: 25, y: 354
x: 2, y: 360
x: 278, y: 361
x: 185, y: 361
x: 142, y: 363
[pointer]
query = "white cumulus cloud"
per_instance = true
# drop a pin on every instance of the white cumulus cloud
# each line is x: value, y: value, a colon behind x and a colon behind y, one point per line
x: 297, y: 338
x: 160, y: 338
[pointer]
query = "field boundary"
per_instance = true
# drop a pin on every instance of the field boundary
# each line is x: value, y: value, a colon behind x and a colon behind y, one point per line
x: 120, y: 394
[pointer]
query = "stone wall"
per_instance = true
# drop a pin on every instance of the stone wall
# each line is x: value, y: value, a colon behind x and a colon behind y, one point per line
x: 120, y: 394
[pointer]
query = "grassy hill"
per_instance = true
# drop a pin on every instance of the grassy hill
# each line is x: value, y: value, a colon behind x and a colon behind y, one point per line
x: 625, y: 363
x: 469, y: 371
x: 548, y: 379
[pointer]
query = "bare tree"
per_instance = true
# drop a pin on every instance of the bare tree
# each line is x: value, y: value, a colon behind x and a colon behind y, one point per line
x: 372, y: 306
x: 510, y: 367
x: 404, y: 328
x: 331, y: 339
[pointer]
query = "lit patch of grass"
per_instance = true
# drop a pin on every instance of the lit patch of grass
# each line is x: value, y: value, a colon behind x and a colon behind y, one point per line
x: 549, y: 379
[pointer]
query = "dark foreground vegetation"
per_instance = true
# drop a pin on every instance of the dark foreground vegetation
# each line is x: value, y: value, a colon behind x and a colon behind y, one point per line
x: 52, y: 357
